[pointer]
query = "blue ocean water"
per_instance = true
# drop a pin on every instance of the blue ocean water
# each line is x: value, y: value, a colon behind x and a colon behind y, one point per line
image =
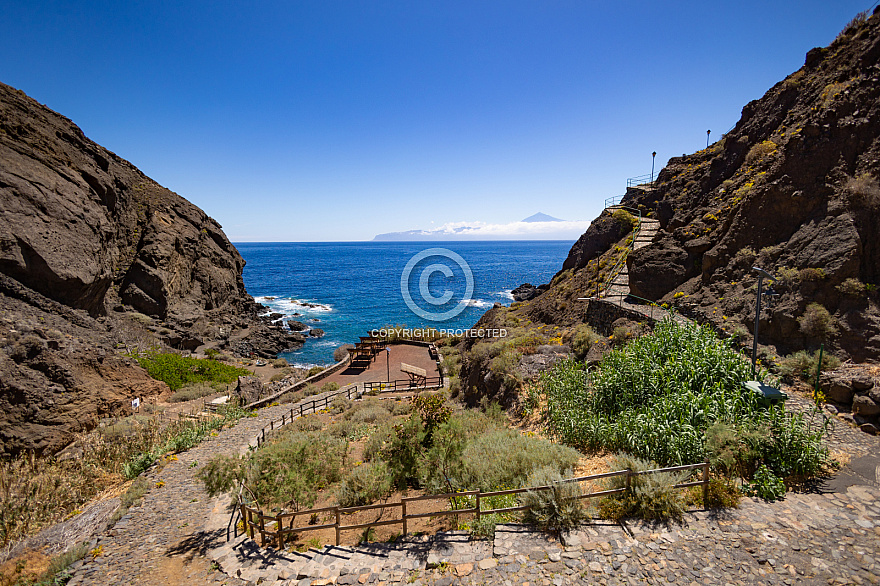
x: 348, y: 288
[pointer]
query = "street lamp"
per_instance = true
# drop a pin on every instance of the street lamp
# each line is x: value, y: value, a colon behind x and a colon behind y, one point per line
x: 708, y: 132
x: 761, y: 274
x: 654, y: 154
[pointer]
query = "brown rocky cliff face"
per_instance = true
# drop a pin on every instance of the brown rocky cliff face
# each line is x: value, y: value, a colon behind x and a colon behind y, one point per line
x: 86, y: 228
x: 793, y: 188
x: 94, y: 257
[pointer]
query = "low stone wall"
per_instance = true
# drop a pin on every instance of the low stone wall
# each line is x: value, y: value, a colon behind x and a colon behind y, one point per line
x: 296, y: 386
x: 601, y: 314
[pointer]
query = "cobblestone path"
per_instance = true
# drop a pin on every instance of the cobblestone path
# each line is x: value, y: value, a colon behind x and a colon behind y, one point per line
x: 177, y: 536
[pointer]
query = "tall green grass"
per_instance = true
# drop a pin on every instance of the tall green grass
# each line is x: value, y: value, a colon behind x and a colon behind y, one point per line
x: 656, y: 397
x: 178, y: 371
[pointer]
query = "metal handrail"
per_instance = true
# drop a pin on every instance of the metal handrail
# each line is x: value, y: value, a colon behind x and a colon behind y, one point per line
x: 613, y: 201
x: 647, y: 179
x: 615, y: 270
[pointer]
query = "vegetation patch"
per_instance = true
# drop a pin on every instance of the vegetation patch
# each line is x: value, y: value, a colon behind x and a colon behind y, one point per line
x: 177, y: 371
x: 658, y: 397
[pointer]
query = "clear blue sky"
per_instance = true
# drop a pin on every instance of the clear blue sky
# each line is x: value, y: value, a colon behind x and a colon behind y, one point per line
x: 328, y: 120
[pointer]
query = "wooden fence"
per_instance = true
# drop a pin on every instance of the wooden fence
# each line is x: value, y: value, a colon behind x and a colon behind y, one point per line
x: 313, y: 405
x: 431, y: 382
x: 272, y: 530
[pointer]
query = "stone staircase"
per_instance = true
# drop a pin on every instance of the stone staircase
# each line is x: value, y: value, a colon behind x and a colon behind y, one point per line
x: 618, y: 291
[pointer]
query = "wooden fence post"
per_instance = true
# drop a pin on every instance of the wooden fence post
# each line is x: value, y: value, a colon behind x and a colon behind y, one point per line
x: 478, y: 504
x: 262, y: 530
x: 336, y: 510
x: 705, y: 484
x: 628, y: 481
x: 403, y: 515
x: 249, y: 522
x: 279, y: 532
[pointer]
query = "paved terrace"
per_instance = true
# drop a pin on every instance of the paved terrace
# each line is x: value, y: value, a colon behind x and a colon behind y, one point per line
x: 377, y: 369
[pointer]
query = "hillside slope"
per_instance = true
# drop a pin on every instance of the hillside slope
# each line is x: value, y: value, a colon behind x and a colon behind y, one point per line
x: 94, y: 256
x: 793, y: 188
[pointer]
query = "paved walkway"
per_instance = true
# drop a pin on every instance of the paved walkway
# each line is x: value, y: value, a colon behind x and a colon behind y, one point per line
x: 618, y: 291
x: 177, y: 536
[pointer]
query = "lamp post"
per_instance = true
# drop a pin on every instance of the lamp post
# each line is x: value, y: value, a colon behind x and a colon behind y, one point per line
x: 761, y: 274
x: 708, y: 132
x: 653, y: 155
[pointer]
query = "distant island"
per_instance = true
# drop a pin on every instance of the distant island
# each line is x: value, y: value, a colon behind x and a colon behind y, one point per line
x: 539, y: 226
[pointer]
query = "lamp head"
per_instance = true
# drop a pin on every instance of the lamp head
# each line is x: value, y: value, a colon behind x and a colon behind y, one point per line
x: 764, y: 273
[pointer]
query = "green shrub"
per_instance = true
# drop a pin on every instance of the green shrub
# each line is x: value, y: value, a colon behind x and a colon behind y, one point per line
x: 656, y: 397
x: 368, y: 411
x: 852, y: 287
x: 504, y: 457
x: 817, y: 322
x: 721, y: 494
x: 286, y: 472
x: 178, y: 371
x: 802, y: 364
x: 400, y: 446
x: 329, y: 387
x: 733, y: 451
x: 626, y: 220
x: 364, y: 485
x: 811, y: 275
x: 279, y: 363
x: 760, y: 151
x: 746, y: 255
x: 556, y: 509
x: 583, y: 339
x: 194, y: 391
x: 650, y: 496
x: 314, y: 370
x: 765, y: 485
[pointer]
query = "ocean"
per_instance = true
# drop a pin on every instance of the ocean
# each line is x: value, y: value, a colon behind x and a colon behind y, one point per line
x: 349, y: 288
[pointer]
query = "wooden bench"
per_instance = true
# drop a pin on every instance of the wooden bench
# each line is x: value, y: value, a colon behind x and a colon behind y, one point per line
x: 417, y: 376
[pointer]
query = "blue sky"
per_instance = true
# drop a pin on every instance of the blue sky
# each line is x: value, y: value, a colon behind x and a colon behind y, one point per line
x: 330, y: 121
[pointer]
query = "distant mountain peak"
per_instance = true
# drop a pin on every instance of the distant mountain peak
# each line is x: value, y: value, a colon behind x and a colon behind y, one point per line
x: 541, y: 217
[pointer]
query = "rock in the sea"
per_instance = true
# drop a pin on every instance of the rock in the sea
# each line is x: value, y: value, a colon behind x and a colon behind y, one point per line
x: 296, y: 326
x: 526, y: 291
x: 316, y: 333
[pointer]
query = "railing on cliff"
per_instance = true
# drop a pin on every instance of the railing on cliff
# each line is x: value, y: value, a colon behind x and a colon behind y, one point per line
x: 641, y: 181
x: 272, y: 530
x: 618, y: 267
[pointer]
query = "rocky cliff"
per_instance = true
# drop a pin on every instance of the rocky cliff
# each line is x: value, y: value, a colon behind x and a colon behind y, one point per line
x: 792, y: 188
x: 95, y: 255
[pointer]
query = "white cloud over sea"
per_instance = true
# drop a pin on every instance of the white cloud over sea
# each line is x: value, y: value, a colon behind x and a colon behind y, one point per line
x: 559, y: 230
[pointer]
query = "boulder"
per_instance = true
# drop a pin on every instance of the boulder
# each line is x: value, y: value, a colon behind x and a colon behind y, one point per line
x: 656, y: 270
x: 865, y: 407
x: 249, y: 389
x: 840, y: 392
x: 316, y: 333
x: 296, y: 326
x: 862, y: 382
x: 525, y: 292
